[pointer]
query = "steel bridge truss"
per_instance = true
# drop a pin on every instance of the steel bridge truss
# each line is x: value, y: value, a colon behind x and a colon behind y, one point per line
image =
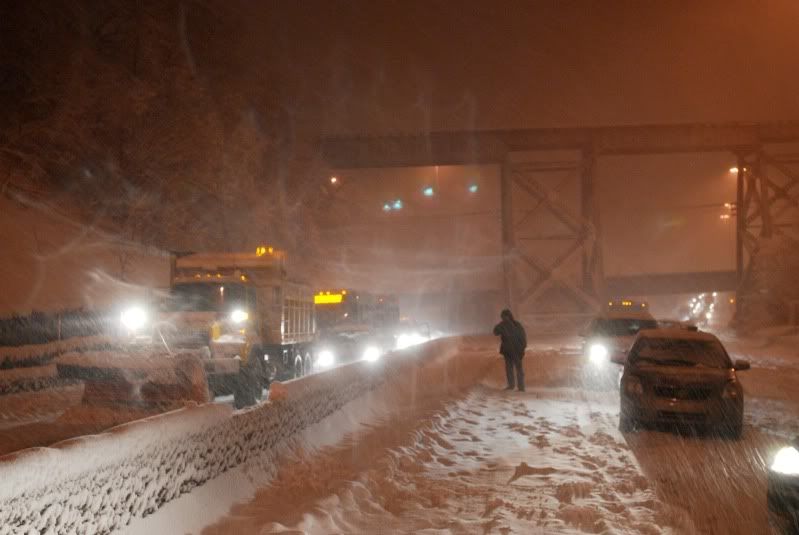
x: 551, y: 239
x: 767, y: 207
x: 551, y: 234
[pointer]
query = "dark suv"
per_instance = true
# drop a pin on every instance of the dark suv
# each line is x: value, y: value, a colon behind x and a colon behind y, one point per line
x: 679, y: 376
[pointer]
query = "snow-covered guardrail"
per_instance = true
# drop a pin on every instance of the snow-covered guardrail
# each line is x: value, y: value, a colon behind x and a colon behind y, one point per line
x: 98, y: 484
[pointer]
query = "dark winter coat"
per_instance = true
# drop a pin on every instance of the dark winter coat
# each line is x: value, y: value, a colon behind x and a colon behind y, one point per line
x: 514, y: 339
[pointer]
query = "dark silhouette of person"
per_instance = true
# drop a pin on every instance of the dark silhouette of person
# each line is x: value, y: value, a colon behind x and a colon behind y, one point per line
x: 513, y: 343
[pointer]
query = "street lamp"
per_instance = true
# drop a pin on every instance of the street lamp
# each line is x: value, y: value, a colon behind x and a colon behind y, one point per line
x: 334, y: 180
x: 428, y: 191
x: 473, y: 188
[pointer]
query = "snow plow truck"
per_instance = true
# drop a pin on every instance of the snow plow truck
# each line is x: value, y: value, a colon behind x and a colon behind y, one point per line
x: 251, y: 322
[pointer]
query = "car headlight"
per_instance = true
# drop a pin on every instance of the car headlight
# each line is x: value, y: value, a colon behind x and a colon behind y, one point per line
x: 786, y: 461
x: 371, y: 354
x: 239, y: 316
x: 598, y: 354
x: 325, y: 358
x: 409, y: 339
x: 133, y: 318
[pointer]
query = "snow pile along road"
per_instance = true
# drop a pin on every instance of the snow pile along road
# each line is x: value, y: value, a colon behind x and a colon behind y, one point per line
x: 99, y: 484
x: 34, y: 393
x: 31, y: 389
x: 428, y: 460
x: 41, y: 383
x: 38, y: 354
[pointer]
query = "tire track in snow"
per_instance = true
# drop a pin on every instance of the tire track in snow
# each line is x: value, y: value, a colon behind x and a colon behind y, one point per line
x: 491, y: 462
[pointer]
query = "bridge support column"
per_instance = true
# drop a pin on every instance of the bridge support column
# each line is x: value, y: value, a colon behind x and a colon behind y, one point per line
x: 767, y: 211
x: 550, y: 238
x: 508, y: 243
x: 592, y: 266
x: 740, y: 221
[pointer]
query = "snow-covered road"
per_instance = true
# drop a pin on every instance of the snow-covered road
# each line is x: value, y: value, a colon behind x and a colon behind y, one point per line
x: 546, y: 461
x: 491, y: 462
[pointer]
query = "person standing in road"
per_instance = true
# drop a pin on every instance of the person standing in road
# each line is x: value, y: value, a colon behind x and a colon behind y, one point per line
x: 512, y: 346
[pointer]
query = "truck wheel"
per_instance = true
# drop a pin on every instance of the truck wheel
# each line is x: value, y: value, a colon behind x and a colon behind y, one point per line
x: 246, y: 389
x: 270, y: 372
x: 308, y: 364
x: 298, y: 367
x: 260, y: 369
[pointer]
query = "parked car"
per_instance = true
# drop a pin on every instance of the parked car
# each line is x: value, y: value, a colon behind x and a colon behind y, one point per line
x: 679, y: 376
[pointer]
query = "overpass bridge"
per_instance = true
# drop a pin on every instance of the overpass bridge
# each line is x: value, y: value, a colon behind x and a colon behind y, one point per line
x: 560, y: 269
x: 460, y: 310
x: 672, y: 283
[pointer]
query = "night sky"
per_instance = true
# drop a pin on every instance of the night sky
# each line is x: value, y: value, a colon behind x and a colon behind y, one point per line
x: 408, y: 66
x: 412, y: 67
x: 307, y: 69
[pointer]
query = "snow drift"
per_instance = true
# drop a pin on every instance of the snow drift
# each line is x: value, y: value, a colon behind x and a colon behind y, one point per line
x: 100, y: 483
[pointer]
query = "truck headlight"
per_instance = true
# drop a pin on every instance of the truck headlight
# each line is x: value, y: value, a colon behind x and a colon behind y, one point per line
x: 598, y: 354
x: 326, y: 358
x: 133, y: 318
x: 371, y: 354
x: 786, y: 461
x: 406, y: 340
x: 239, y: 316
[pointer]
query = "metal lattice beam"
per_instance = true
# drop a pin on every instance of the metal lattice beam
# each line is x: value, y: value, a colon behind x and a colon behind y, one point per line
x: 767, y: 201
x: 534, y: 273
x: 492, y: 146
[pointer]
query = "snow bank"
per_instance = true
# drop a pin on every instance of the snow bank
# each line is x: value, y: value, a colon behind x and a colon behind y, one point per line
x: 29, y: 406
x: 100, y: 483
x: 35, y: 393
x: 41, y: 353
x: 488, y: 461
x: 133, y: 359
x: 14, y: 375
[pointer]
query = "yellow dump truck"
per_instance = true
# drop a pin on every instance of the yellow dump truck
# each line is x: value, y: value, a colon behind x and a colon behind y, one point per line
x: 252, y: 322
